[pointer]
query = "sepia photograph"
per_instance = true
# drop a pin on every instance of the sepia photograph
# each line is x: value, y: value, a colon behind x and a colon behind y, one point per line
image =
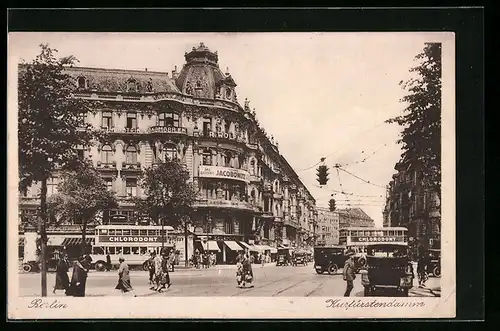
x: 231, y: 175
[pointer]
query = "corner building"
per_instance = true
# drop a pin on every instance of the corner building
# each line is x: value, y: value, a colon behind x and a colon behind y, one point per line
x: 247, y: 191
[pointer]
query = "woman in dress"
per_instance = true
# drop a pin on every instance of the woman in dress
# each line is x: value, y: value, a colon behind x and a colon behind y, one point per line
x: 79, y: 278
x: 124, y: 277
x: 62, y: 279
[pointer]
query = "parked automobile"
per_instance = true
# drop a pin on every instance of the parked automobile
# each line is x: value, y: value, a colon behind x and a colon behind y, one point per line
x: 434, y: 266
x: 329, y: 259
x: 387, y: 266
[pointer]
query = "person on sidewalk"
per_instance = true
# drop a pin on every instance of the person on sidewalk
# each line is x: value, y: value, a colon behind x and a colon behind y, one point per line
x: 423, y: 264
x: 158, y: 272
x: 124, y: 278
x: 150, y: 263
x: 79, y: 278
x: 108, y: 262
x: 349, y: 273
x: 62, y: 279
x: 164, y: 275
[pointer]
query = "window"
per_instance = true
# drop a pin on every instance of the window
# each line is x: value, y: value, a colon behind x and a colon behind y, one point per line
x: 106, y: 154
x: 228, y: 226
x: 168, y: 119
x: 227, y: 159
x: 227, y: 126
x: 207, y: 126
x: 131, y: 157
x: 131, y: 121
x: 143, y: 232
x: 131, y: 85
x: 106, y: 119
x: 81, y: 82
x: 52, y: 186
x: 135, y: 232
x: 135, y: 250
x: 111, y: 250
x: 252, y: 167
x: 126, y: 250
x: 112, y: 232
x: 131, y: 186
x: 126, y: 232
x: 109, y: 183
x: 170, y: 152
x: 207, y: 157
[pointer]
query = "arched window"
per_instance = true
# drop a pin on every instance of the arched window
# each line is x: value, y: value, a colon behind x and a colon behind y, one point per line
x: 207, y: 157
x: 131, y: 155
x: 168, y: 119
x: 252, y: 167
x: 170, y: 152
x: 106, y: 154
x: 82, y: 82
x: 131, y: 85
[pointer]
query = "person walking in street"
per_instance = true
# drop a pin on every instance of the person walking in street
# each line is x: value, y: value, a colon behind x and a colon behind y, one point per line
x: 108, y: 262
x: 247, y: 270
x: 423, y: 264
x: 124, y: 277
x: 349, y: 273
x: 78, y: 282
x: 164, y: 275
x: 158, y: 271
x: 62, y: 279
x: 150, y: 263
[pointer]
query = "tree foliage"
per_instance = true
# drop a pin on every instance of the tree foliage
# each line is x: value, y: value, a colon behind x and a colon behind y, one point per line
x: 421, y: 121
x: 82, y: 195
x: 50, y: 124
x: 168, y: 197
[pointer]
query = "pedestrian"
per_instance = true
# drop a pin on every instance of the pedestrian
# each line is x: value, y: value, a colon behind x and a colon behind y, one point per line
x: 150, y: 263
x: 164, y: 275
x: 423, y: 264
x: 349, y: 273
x: 158, y: 271
x: 262, y: 259
x: 124, y: 277
x: 78, y: 282
x: 62, y: 279
x: 247, y: 270
x: 108, y: 262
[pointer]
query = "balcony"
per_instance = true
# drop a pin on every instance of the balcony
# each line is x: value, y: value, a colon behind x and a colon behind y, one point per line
x: 131, y: 167
x: 226, y: 204
x: 168, y: 130
x: 107, y: 167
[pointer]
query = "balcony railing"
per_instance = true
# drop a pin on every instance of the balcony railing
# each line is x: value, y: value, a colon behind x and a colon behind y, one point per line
x: 131, y: 166
x: 232, y: 204
x: 106, y: 165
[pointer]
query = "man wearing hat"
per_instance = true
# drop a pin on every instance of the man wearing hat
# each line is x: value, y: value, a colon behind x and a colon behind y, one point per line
x: 124, y: 277
x: 349, y: 272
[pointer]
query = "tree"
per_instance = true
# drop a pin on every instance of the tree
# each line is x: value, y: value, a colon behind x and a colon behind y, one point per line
x: 168, y: 196
x: 421, y: 133
x: 82, y: 195
x: 50, y: 126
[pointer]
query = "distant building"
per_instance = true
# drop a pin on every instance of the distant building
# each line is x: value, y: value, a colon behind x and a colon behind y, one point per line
x: 328, y: 227
x: 354, y: 217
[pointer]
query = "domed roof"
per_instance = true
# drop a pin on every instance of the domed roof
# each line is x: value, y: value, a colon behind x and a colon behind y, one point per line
x: 202, y: 77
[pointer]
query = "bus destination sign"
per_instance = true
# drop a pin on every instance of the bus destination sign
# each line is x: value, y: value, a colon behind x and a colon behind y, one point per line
x: 377, y: 239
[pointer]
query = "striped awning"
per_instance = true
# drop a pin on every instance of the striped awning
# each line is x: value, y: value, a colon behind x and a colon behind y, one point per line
x: 247, y: 246
x: 77, y: 241
x: 233, y: 245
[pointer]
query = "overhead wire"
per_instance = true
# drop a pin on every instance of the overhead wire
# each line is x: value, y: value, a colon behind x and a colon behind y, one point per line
x: 361, y: 179
x: 366, y: 158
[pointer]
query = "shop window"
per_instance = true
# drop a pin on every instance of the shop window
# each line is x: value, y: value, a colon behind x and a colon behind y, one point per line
x: 107, y: 119
x: 131, y: 121
x: 168, y: 119
x: 131, y: 155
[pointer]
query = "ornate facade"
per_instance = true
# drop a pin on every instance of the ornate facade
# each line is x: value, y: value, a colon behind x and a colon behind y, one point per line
x: 328, y: 227
x: 247, y: 191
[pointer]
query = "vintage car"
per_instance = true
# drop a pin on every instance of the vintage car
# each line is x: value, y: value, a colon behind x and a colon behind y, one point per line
x: 329, y: 258
x: 299, y: 258
x: 434, y: 267
x: 284, y: 256
x: 387, y: 266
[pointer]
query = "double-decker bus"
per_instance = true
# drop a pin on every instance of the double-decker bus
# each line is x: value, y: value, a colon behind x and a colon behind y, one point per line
x: 134, y: 242
x: 357, y: 238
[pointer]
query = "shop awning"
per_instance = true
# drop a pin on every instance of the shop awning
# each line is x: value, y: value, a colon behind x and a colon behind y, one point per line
x: 56, y: 241
x: 233, y: 245
x: 211, y: 246
x: 76, y: 241
x: 247, y: 246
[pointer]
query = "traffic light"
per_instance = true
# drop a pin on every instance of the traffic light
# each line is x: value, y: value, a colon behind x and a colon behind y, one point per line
x: 322, y: 174
x: 332, y: 205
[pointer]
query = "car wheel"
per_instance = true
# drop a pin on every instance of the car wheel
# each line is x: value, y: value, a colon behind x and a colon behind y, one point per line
x: 436, y: 271
x: 100, y: 266
x: 27, y: 267
x: 319, y: 271
x: 367, y: 291
x: 332, y: 269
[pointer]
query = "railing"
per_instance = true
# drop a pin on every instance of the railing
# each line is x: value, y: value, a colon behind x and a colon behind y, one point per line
x: 131, y: 166
x: 106, y: 165
x: 236, y: 204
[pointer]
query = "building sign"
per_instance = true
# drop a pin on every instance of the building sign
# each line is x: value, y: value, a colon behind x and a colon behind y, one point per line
x: 168, y: 129
x: 377, y: 239
x: 139, y: 239
x: 223, y: 172
x: 224, y: 203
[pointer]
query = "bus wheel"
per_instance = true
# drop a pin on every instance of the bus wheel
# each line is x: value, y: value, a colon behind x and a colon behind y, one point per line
x: 332, y: 269
x: 27, y: 267
x: 436, y: 271
x: 100, y: 266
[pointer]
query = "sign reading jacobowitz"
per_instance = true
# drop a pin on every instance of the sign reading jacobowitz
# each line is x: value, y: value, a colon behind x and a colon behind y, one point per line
x: 223, y: 172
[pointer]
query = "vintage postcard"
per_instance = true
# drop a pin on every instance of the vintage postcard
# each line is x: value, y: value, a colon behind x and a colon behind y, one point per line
x: 231, y: 175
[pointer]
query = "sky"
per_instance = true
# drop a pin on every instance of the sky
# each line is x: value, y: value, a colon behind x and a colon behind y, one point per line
x: 318, y: 94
